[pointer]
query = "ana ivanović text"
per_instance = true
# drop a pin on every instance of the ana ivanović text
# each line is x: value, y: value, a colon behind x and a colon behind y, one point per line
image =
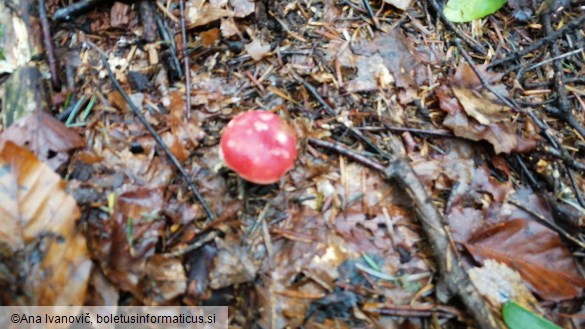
x: 111, y: 318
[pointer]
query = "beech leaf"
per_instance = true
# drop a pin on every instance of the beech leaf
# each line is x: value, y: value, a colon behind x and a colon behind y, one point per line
x: 40, y: 246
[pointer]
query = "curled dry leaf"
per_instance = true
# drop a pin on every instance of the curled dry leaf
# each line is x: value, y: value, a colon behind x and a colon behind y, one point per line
x: 500, y: 134
x: 44, y: 256
x: 480, y: 107
x: 48, y: 138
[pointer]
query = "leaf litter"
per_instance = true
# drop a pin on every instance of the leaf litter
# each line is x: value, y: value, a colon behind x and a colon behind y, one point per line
x: 332, y: 244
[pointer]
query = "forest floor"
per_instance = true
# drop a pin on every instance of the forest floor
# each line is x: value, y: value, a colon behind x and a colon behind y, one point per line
x: 440, y: 168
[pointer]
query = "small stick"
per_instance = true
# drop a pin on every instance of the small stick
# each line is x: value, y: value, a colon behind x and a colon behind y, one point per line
x: 572, y: 25
x: 331, y: 112
x: 470, y: 42
x: 371, y: 13
x: 66, y: 13
x: 158, y: 140
x: 48, y: 40
x: 186, y: 60
x: 451, y: 270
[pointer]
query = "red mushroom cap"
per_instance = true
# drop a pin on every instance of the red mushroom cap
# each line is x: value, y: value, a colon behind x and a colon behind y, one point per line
x: 259, y: 146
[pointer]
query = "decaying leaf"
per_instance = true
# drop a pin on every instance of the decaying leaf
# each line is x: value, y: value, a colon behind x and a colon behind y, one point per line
x: 500, y: 284
x: 481, y: 107
x: 243, y: 8
x: 400, y: 4
x: 43, y: 254
x: 200, y: 12
x: 124, y: 243
x: 400, y: 59
x: 48, y: 138
x: 257, y: 49
x: 501, y: 134
x: 539, y: 255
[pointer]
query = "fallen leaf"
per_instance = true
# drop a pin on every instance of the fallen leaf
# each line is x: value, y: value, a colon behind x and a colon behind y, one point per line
x: 119, y: 14
x: 372, y: 74
x: 465, y: 76
x: 243, y: 8
x: 400, y: 4
x: 199, y: 12
x: 257, y: 49
x: 401, y: 60
x: 500, y: 134
x: 123, y: 243
x: 533, y: 250
x: 499, y: 283
x: 44, y: 256
x: 480, y: 107
x: 48, y: 138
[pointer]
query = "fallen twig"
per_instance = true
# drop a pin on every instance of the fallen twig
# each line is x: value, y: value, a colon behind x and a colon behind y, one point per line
x: 159, y: 141
x: 470, y: 42
x: 331, y: 112
x: 454, y: 276
x: 547, y: 39
x: 48, y: 41
x: 67, y: 13
x: 185, y: 60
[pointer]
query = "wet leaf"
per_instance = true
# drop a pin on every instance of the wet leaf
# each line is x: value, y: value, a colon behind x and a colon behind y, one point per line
x: 123, y: 243
x: 460, y: 11
x: 44, y: 252
x: 48, y: 138
x: 538, y: 255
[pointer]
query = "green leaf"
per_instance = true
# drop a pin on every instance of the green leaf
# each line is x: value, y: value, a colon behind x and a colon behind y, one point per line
x: 517, y: 317
x: 460, y: 11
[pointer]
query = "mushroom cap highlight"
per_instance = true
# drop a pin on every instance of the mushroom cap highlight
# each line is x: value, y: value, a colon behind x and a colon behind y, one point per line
x: 259, y: 146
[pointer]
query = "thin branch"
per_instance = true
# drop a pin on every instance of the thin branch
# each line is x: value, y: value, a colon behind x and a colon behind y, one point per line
x: 159, y: 141
x: 572, y: 25
x: 48, y: 41
x: 358, y: 134
x: 67, y: 13
x: 469, y: 41
x: 186, y: 60
x: 446, y: 257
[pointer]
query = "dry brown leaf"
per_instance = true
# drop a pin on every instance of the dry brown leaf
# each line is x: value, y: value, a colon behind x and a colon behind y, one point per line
x: 199, y: 12
x: 400, y: 4
x: 43, y: 251
x: 243, y: 8
x: 480, y: 107
x: 48, y: 138
x: 536, y: 252
x: 500, y: 134
x: 123, y: 243
x: 465, y: 76
x: 400, y: 58
x: 257, y: 49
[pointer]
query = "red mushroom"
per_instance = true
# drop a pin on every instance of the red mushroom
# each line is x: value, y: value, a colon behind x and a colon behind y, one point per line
x: 259, y: 146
